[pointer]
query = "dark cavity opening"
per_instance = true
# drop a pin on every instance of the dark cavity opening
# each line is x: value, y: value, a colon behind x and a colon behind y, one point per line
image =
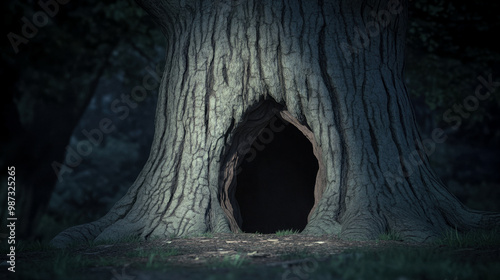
x: 275, y: 183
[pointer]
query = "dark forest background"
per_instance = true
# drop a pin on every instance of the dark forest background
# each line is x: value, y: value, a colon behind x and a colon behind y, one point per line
x: 80, y: 73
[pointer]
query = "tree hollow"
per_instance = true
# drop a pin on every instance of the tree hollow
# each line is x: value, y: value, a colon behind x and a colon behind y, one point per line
x: 273, y: 176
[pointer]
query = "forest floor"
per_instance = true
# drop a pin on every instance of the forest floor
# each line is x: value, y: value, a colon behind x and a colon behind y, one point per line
x: 254, y: 256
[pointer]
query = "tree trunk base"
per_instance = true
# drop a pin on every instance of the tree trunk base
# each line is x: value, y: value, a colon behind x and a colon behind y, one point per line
x: 233, y: 66
x: 366, y: 219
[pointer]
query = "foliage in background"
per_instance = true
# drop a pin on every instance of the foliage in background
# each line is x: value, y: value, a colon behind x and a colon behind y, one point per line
x: 451, y: 44
x: 54, y: 78
x: 60, y: 62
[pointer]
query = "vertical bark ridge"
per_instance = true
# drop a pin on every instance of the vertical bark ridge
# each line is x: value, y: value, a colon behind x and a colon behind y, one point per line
x: 338, y: 121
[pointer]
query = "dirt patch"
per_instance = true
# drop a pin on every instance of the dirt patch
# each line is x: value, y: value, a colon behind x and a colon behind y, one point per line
x: 259, y: 248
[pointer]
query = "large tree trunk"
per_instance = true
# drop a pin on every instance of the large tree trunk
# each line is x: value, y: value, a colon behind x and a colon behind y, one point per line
x: 333, y: 69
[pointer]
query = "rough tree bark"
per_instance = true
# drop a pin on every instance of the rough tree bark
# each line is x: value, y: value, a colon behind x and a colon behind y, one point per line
x: 334, y: 70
